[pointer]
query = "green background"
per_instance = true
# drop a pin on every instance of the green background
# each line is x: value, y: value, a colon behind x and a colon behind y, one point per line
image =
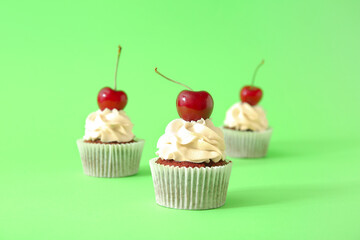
x: 57, y: 55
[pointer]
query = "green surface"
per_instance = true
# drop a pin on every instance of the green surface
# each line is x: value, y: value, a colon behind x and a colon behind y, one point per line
x: 56, y: 55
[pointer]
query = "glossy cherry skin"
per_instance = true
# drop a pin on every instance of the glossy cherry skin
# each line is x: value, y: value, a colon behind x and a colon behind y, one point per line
x: 251, y: 95
x: 192, y: 106
x: 111, y: 99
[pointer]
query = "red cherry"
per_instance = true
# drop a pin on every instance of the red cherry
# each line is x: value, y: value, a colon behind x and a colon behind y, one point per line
x: 251, y: 95
x: 192, y: 106
x: 110, y: 98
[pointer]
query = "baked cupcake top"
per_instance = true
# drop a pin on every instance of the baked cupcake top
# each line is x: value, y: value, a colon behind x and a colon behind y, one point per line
x: 243, y: 116
x: 109, y: 126
x: 192, y: 141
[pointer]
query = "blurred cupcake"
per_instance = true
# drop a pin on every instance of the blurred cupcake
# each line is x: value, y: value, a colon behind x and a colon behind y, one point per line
x: 109, y: 147
x: 191, y: 171
x: 246, y: 130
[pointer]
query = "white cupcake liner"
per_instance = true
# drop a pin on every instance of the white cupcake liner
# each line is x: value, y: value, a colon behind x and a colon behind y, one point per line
x: 242, y: 144
x: 190, y: 188
x: 110, y: 160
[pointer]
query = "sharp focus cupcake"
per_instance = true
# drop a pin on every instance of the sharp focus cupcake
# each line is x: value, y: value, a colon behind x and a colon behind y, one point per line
x: 246, y: 130
x: 191, y: 171
x: 109, y: 147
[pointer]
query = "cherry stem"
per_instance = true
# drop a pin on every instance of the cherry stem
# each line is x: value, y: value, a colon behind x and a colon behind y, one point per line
x: 172, y: 80
x: 117, y: 66
x: 255, y: 72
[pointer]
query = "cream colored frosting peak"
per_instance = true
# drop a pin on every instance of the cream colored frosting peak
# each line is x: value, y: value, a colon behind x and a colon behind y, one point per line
x: 243, y: 116
x: 109, y: 126
x: 195, y: 141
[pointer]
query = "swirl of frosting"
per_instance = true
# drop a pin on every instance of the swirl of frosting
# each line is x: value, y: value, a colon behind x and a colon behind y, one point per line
x: 195, y: 141
x: 243, y: 116
x: 108, y: 126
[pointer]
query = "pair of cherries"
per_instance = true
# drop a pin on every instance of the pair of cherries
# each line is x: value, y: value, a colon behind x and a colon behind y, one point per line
x: 191, y: 105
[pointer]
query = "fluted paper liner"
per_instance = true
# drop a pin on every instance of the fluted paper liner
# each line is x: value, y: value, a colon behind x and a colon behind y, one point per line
x: 190, y: 188
x: 110, y: 160
x: 242, y: 144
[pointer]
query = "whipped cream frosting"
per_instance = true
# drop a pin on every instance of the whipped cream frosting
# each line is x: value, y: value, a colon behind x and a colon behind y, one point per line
x: 109, y: 126
x: 195, y: 141
x: 243, y: 116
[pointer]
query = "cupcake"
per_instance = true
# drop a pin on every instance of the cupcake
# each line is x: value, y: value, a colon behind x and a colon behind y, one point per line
x: 109, y: 147
x: 191, y: 171
x: 246, y: 129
